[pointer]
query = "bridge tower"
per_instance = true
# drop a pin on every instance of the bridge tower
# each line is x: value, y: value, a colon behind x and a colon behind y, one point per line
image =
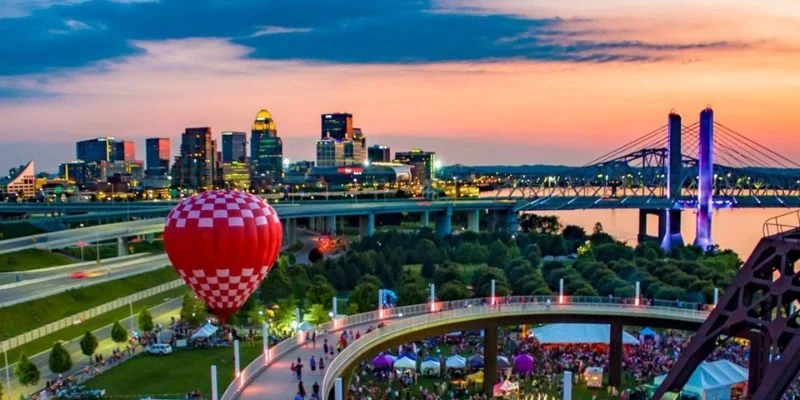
x: 705, y: 169
x: 672, y: 218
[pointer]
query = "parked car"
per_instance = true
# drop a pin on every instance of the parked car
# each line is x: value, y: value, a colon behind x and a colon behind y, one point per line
x: 159, y: 349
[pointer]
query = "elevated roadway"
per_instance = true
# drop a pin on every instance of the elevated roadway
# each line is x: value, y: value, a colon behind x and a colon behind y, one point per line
x: 269, y: 376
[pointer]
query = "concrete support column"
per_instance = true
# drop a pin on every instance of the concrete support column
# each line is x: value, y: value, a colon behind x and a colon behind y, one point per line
x: 511, y: 222
x: 122, y: 248
x: 366, y: 225
x: 473, y: 220
x: 425, y: 218
x: 489, y: 360
x: 759, y: 361
x: 149, y: 238
x: 444, y: 222
x: 330, y: 225
x: 290, y: 231
x: 672, y: 237
x: 705, y: 188
x: 615, y: 355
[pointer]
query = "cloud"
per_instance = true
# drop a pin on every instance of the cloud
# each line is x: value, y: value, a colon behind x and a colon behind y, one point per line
x: 277, y: 30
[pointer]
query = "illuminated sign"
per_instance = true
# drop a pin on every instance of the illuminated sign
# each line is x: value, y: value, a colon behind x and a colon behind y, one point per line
x: 350, y: 171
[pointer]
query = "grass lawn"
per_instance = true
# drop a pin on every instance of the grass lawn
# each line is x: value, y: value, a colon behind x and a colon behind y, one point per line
x: 175, y: 374
x: 17, y: 229
x: 30, y: 315
x: 74, y: 331
x: 30, y: 259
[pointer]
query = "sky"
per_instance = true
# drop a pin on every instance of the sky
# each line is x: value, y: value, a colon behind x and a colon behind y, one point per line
x: 477, y: 81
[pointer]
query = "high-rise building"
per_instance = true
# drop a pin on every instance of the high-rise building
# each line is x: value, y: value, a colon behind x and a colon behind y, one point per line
x: 235, y: 175
x: 330, y: 153
x: 198, y: 159
x: 123, y: 150
x: 266, y: 149
x: 99, y: 152
x: 234, y: 147
x: 379, y: 153
x: 75, y: 171
x: 158, y: 151
x: 338, y: 126
x: 20, y: 182
x: 423, y: 163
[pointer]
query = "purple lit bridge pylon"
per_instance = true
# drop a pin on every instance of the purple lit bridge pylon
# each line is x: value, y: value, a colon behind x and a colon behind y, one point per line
x: 701, y: 166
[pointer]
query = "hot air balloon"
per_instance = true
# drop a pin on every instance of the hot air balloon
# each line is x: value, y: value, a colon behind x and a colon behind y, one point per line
x: 223, y: 243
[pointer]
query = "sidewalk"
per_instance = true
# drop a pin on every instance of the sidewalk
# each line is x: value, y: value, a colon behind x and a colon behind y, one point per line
x: 161, y: 315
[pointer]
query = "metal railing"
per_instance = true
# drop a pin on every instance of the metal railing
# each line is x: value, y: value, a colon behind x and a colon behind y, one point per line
x: 782, y: 224
x: 415, y: 317
x: 32, y: 335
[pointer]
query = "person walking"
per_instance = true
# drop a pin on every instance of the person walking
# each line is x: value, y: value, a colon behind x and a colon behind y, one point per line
x: 313, y: 364
x: 301, y: 390
x: 321, y: 364
x: 299, y: 369
x: 325, y: 346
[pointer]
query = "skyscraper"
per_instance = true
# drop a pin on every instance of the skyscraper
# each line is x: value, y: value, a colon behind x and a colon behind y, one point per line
x: 266, y: 149
x: 198, y: 159
x: 423, y: 162
x: 338, y: 126
x: 157, y: 150
x: 95, y: 150
x: 234, y: 147
x: 123, y: 150
x: 379, y: 153
x: 98, y: 153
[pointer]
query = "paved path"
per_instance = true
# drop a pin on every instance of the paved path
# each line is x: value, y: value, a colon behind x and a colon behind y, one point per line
x: 161, y: 314
x: 277, y: 381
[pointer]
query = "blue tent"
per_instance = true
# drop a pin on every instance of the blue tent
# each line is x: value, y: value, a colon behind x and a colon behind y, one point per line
x: 409, y: 355
x: 647, y: 332
x: 475, y: 361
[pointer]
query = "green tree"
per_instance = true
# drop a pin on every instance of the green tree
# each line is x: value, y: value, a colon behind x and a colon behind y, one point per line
x: 453, y: 290
x: 498, y: 254
x: 278, y: 286
x: 317, y: 314
x: 428, y: 270
x: 365, y: 294
x: 118, y: 333
x: 447, y: 272
x: 145, y: 321
x: 534, y: 254
x: 26, y: 372
x: 427, y: 250
x: 88, y: 344
x: 573, y: 232
x: 412, y: 290
x: 192, y: 310
x: 320, y: 291
x: 59, y: 360
x: 612, y: 251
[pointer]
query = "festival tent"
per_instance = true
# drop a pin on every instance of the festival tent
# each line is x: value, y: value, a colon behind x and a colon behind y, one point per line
x: 206, y: 331
x: 456, y: 362
x: 578, y: 333
x: 430, y: 367
x: 409, y: 355
x: 477, y: 378
x: 383, y: 361
x: 405, y: 363
x: 475, y: 361
x: 647, y: 333
x: 503, y: 363
x: 713, y: 380
x: 523, y: 363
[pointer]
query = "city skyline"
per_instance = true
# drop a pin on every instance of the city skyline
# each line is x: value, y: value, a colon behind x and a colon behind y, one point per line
x: 551, y: 83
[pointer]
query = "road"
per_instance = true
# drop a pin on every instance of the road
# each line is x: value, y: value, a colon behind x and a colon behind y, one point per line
x: 41, y: 273
x: 161, y: 314
x: 59, y: 281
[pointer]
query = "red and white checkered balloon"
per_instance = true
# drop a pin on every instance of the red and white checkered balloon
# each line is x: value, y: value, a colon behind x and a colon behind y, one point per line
x: 223, y: 243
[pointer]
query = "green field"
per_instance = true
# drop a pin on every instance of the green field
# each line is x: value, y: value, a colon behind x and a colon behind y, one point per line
x: 30, y: 259
x: 30, y: 315
x: 74, y: 331
x: 173, y: 375
x: 17, y: 229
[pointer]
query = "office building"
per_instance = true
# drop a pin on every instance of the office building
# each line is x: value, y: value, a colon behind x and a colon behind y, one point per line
x: 74, y: 171
x: 105, y: 149
x: 20, y: 183
x: 422, y: 162
x: 338, y: 126
x: 123, y: 150
x: 234, y: 147
x: 198, y: 168
x: 266, y: 149
x: 158, y: 152
x: 235, y: 175
x: 379, y: 154
x: 330, y: 153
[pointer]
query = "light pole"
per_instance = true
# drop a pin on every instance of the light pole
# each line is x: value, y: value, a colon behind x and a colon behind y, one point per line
x: 130, y: 307
x: 8, y: 370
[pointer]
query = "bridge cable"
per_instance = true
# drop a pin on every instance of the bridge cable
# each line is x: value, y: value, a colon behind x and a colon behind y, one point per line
x: 611, y: 154
x: 751, y: 148
x: 731, y: 131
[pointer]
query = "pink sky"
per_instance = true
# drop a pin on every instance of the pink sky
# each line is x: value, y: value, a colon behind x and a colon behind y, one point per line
x: 585, y: 108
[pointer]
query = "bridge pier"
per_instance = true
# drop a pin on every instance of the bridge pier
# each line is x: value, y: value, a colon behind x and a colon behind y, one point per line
x: 615, y: 355
x: 425, y: 218
x: 366, y: 225
x: 503, y: 221
x: 444, y: 222
x: 122, y: 248
x: 489, y: 360
x: 474, y: 220
x: 289, y: 231
x: 705, y: 169
x: 330, y: 224
x: 149, y: 238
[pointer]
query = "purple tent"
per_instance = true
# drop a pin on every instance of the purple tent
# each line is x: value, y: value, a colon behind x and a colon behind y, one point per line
x: 384, y: 361
x: 523, y: 363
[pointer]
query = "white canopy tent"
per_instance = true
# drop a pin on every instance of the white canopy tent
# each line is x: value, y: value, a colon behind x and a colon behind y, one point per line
x: 405, y: 363
x: 712, y: 380
x: 430, y: 367
x: 578, y: 333
x: 206, y: 331
x: 456, y: 362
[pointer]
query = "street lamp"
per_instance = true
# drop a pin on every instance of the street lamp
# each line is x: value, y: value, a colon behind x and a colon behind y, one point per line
x: 8, y: 369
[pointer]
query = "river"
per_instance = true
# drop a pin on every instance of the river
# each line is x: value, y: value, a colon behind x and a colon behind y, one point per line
x: 735, y: 229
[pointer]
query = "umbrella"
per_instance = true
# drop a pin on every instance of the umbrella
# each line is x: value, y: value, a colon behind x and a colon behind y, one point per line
x: 503, y: 363
x: 523, y: 363
x: 456, y: 362
x: 475, y: 361
x: 382, y: 361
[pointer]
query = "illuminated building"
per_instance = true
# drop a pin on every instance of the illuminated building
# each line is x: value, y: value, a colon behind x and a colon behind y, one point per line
x: 379, y: 153
x: 234, y: 147
x: 330, y: 153
x: 423, y: 163
x: 106, y: 149
x: 266, y: 149
x: 341, y: 144
x: 374, y: 174
x: 158, y: 151
x: 235, y: 175
x: 74, y: 171
x: 338, y: 126
x: 20, y: 182
x: 197, y: 159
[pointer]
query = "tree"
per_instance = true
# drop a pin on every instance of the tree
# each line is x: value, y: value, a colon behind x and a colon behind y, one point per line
x: 59, y: 360
x: 453, y: 290
x: 88, y: 344
x: 317, y: 314
x: 192, y: 310
x: 118, y: 333
x: 26, y: 372
x: 428, y: 270
x: 447, y: 273
x: 573, y: 232
x: 320, y: 291
x: 145, y: 321
x: 278, y: 286
x: 498, y: 254
x: 534, y: 254
x: 365, y: 294
x: 315, y: 255
x: 612, y: 251
x: 412, y: 290
x: 427, y: 250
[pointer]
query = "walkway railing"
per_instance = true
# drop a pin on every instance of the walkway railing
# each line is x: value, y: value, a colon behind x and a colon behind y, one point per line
x: 412, y: 318
x: 782, y: 224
